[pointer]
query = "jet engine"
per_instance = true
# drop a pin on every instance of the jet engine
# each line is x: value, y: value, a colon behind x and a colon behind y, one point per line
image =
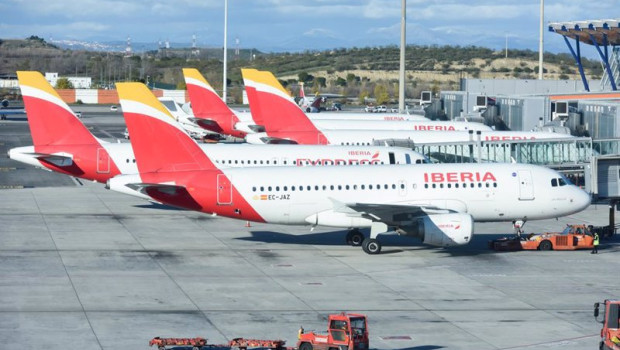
x: 442, y: 230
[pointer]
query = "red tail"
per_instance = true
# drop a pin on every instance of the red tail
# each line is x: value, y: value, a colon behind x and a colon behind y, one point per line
x: 51, y: 121
x: 206, y: 104
x: 275, y: 109
x: 173, y: 149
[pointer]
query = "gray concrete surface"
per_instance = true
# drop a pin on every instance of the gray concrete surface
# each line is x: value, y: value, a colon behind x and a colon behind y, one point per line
x: 85, y: 268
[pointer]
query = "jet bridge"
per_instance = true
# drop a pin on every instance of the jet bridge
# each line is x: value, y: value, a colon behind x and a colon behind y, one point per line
x: 548, y: 152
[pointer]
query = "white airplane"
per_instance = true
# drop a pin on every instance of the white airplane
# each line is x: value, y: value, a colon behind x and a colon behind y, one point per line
x: 264, y: 92
x: 213, y: 114
x: 437, y: 203
x: 63, y: 144
x: 287, y: 124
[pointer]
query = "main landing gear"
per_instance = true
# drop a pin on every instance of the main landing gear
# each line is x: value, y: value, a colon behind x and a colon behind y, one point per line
x: 355, y: 237
x: 369, y: 245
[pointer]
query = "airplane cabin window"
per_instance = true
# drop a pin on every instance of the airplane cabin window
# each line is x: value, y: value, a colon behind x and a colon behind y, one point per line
x: 331, y: 187
x: 277, y: 188
x: 308, y: 188
x: 456, y: 185
x: 262, y: 188
x: 449, y: 185
x: 495, y: 184
x: 269, y: 188
x: 434, y: 186
x: 402, y: 186
x: 346, y: 187
x: 254, y: 189
x: 285, y: 188
x: 292, y: 188
x: 425, y: 185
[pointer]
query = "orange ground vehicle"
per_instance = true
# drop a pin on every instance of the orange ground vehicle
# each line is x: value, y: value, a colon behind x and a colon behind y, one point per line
x: 346, y: 332
x: 573, y: 237
x: 610, y: 333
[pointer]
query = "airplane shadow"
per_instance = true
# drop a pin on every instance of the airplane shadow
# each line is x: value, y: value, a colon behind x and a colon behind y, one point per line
x: 158, y: 206
x: 391, y: 243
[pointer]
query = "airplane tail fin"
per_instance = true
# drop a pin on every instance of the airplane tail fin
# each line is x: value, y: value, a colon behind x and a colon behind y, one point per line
x: 51, y: 120
x: 158, y: 142
x: 271, y: 105
x: 206, y: 103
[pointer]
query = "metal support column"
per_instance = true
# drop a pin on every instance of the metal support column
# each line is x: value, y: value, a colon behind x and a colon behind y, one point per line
x: 605, y: 59
x: 577, y: 57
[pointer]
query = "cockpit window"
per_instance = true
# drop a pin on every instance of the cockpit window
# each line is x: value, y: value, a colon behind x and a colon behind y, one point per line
x: 560, y: 181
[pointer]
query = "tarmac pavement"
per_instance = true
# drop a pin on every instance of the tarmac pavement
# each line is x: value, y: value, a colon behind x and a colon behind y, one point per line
x: 86, y: 268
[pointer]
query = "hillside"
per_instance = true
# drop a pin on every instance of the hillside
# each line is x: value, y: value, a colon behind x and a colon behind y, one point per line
x: 351, y: 72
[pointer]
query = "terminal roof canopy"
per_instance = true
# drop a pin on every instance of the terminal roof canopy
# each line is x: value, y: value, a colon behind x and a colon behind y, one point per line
x: 604, y: 32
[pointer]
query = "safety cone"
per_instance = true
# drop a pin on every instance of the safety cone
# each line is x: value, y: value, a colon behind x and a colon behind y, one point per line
x: 247, y: 224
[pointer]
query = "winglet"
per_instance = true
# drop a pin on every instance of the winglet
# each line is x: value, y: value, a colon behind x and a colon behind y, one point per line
x: 51, y: 120
x: 158, y: 142
x: 207, y: 104
x: 277, y: 110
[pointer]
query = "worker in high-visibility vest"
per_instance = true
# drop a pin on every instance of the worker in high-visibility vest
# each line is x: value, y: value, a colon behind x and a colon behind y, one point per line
x: 595, y: 244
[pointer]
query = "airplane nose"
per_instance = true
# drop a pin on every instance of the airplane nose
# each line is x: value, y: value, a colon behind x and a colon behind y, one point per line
x: 582, y: 199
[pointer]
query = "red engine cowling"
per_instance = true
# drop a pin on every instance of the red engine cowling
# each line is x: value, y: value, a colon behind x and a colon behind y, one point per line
x: 442, y: 230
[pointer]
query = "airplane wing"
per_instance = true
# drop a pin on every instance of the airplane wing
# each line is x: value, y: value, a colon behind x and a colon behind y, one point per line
x: 58, y: 159
x: 390, y: 214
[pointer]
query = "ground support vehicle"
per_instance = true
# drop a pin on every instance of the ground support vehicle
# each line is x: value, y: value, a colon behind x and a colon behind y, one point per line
x: 573, y: 237
x: 345, y: 332
x: 610, y: 318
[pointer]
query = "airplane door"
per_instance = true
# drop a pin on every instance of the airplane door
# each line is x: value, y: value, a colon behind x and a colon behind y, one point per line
x: 224, y: 190
x: 103, y: 161
x: 526, y: 186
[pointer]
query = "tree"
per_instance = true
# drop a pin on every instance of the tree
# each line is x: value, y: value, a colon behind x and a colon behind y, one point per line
x: 381, y: 94
x: 341, y: 82
x: 63, y: 83
x: 321, y: 82
x: 362, y: 96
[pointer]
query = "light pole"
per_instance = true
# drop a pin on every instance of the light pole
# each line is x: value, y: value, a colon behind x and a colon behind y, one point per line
x: 224, y: 87
x: 540, y: 42
x: 403, y: 43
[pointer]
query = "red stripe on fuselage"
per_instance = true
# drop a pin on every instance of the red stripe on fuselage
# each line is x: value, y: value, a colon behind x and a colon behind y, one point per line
x: 86, y: 164
x: 201, y: 194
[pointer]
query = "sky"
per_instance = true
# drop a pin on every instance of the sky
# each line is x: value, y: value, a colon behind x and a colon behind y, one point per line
x: 299, y: 25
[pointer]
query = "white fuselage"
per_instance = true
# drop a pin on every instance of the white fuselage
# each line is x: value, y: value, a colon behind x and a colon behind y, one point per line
x: 298, y: 196
x: 245, y: 155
